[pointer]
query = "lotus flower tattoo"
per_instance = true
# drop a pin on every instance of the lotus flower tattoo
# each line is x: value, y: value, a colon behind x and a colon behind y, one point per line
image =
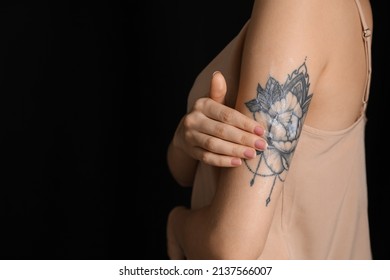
x: 282, y: 108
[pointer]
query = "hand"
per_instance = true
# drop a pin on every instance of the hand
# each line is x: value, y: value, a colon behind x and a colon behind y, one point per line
x: 217, y: 134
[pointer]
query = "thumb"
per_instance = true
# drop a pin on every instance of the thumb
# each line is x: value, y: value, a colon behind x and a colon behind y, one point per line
x: 218, y: 87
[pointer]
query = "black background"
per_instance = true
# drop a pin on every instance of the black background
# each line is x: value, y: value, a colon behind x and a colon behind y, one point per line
x: 90, y: 95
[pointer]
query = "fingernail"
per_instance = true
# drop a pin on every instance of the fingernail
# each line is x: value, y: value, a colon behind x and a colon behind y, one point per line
x: 215, y: 72
x: 261, y: 144
x: 236, y: 161
x: 249, y: 153
x: 259, y: 130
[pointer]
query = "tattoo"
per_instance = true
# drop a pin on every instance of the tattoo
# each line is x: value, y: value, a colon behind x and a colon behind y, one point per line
x: 282, y: 107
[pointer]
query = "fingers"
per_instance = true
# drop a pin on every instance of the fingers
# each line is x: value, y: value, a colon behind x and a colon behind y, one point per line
x: 218, y: 152
x: 228, y: 116
x: 218, y: 87
x: 220, y: 138
x: 216, y: 159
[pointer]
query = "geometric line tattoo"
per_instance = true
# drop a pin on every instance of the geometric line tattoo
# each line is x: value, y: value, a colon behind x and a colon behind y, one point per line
x: 282, y: 108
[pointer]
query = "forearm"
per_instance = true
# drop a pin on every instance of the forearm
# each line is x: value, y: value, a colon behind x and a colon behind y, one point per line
x: 194, y: 231
x: 212, y: 232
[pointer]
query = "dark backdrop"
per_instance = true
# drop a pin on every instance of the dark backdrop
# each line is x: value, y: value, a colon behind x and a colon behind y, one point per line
x: 90, y: 96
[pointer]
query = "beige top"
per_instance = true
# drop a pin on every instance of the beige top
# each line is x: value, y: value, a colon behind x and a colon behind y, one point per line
x: 322, y: 212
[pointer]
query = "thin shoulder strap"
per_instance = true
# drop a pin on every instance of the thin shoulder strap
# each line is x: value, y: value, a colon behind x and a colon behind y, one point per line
x: 367, y: 37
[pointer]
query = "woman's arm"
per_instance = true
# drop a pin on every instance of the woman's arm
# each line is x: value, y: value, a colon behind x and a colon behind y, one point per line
x: 283, y: 56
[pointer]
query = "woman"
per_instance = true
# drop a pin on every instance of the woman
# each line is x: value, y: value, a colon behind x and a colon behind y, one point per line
x: 301, y: 71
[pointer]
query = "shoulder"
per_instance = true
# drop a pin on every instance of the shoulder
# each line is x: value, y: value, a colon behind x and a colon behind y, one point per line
x: 315, y: 19
x: 284, y: 33
x: 327, y: 35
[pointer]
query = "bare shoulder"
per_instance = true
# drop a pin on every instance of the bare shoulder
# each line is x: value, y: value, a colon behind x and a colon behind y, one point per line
x: 328, y: 34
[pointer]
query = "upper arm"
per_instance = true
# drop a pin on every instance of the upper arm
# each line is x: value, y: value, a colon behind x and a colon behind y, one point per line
x: 282, y: 59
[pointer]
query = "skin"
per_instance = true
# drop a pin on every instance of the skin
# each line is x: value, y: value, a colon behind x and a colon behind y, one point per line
x: 322, y: 44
